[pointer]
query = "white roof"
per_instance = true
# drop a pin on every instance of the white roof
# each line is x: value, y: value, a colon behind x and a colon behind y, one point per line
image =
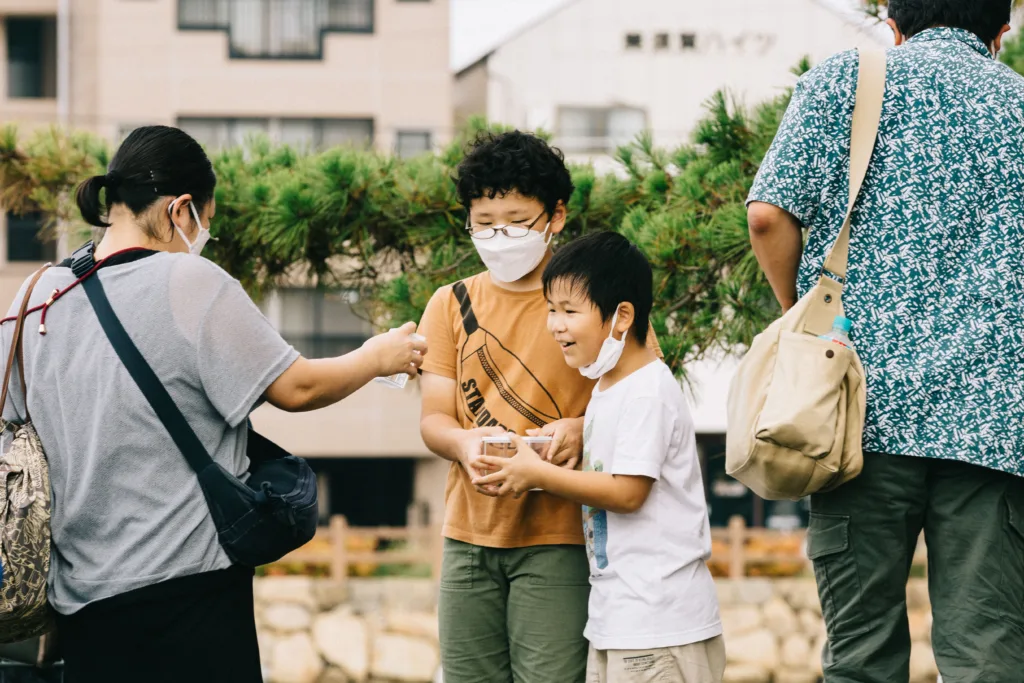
x: 478, y: 27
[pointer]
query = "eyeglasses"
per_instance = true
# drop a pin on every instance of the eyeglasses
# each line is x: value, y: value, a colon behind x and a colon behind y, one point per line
x: 513, y: 231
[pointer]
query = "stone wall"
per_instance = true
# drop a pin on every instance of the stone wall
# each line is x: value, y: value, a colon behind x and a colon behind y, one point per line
x: 774, y: 632
x: 385, y: 630
x: 316, y: 631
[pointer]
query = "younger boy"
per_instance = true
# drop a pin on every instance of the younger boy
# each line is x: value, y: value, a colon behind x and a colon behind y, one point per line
x: 653, y: 613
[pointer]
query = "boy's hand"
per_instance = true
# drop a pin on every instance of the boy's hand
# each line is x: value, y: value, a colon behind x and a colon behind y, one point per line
x: 566, y: 441
x: 470, y: 456
x: 515, y: 475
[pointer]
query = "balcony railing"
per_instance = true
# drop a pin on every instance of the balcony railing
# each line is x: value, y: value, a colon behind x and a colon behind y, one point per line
x: 276, y: 29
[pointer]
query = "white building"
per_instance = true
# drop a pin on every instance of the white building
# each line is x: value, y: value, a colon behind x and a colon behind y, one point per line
x: 597, y: 72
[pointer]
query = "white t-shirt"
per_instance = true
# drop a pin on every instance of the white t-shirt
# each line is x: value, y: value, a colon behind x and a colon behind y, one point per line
x: 650, y: 585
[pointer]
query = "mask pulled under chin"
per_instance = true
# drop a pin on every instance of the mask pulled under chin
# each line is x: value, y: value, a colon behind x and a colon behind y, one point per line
x: 608, y: 357
x: 511, y: 259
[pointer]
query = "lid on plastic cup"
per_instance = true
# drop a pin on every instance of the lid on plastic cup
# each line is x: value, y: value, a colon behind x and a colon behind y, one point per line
x: 508, y: 439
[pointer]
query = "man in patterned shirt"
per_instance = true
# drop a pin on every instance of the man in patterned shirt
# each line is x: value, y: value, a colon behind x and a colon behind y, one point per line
x: 935, y: 291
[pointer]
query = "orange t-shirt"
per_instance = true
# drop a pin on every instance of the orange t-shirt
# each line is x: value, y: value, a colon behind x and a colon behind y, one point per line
x: 510, y: 372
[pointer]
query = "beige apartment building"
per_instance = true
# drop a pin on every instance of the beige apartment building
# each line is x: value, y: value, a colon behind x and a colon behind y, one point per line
x: 312, y: 73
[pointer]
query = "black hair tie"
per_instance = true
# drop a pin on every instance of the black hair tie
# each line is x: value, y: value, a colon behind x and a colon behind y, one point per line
x: 113, y: 180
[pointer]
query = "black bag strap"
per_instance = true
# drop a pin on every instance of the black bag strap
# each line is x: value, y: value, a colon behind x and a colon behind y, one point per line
x: 469, y: 321
x: 150, y: 385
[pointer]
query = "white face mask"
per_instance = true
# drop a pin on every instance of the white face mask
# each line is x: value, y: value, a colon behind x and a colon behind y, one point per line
x: 608, y: 357
x: 512, y: 258
x: 201, y: 239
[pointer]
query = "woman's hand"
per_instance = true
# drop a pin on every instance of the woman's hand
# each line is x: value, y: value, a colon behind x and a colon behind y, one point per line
x: 400, y: 350
x: 515, y: 475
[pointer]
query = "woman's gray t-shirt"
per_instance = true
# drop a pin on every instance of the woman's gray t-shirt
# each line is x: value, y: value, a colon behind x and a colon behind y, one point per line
x: 127, y: 511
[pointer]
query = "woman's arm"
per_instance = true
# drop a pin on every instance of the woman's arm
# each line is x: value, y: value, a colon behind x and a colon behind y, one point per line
x: 312, y: 384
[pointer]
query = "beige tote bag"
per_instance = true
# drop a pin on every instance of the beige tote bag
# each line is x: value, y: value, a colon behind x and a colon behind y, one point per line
x: 796, y: 405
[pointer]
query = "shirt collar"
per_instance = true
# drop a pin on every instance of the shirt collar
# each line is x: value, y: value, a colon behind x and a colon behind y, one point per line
x: 957, y: 34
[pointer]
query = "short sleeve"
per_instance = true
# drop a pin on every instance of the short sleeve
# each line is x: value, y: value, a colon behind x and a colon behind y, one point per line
x: 792, y: 172
x: 240, y: 354
x: 643, y: 438
x: 436, y: 326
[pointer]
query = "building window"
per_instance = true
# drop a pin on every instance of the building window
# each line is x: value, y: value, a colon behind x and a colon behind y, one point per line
x: 221, y: 133
x: 689, y: 41
x: 305, y: 134
x: 661, y: 41
x: 281, y: 29
x: 598, y: 129
x: 31, y: 57
x: 633, y: 40
x: 319, y: 134
x: 23, y: 239
x: 412, y: 143
x: 318, y: 323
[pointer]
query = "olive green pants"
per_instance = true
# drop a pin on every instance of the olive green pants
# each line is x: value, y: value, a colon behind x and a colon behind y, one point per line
x: 862, y: 538
x: 513, y: 615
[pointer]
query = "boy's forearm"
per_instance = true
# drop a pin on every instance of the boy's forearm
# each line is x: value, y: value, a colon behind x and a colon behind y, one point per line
x: 442, y: 435
x: 594, y: 489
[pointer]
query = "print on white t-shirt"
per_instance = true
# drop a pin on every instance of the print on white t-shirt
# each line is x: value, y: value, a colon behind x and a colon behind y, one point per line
x: 595, y: 521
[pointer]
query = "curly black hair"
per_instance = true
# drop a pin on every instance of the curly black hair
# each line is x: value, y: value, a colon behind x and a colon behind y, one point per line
x: 497, y: 163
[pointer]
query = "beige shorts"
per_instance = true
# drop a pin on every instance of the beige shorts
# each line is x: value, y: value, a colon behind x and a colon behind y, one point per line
x: 702, y: 662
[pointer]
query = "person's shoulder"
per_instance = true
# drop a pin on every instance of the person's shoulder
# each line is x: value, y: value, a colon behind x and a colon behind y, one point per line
x: 1005, y: 75
x: 653, y: 384
x: 476, y: 286
x: 837, y: 71
x: 195, y: 272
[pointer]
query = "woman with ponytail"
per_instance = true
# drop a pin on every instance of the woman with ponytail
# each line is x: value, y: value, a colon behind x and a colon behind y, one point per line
x: 142, y: 588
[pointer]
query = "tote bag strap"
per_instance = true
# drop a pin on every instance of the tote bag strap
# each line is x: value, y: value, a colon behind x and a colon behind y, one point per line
x: 16, y: 351
x: 867, y: 114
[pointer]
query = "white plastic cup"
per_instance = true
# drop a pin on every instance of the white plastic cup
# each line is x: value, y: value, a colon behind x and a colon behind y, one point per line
x: 399, y: 380
x: 502, y: 446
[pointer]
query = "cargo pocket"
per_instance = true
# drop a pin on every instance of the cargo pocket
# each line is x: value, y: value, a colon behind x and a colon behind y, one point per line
x: 835, y: 570
x: 1012, y: 583
x: 802, y: 407
x: 459, y: 564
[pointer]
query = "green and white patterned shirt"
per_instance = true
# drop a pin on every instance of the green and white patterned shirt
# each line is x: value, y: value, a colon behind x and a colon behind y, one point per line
x: 935, y: 287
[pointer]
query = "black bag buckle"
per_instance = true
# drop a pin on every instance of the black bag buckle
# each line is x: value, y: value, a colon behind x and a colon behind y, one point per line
x: 82, y: 261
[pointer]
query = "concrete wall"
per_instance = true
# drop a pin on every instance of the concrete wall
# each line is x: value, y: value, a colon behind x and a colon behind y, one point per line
x: 132, y: 65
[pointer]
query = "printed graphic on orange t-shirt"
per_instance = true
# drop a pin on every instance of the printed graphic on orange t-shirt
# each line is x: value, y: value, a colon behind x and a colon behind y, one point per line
x: 484, y: 359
